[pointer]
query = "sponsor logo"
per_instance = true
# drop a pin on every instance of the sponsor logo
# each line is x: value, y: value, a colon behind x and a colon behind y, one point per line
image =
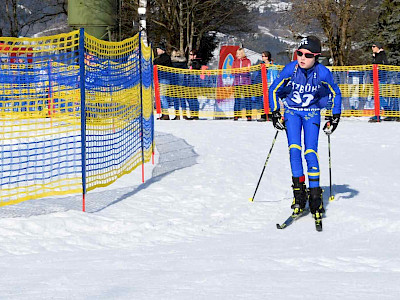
x: 227, y: 78
x: 303, y: 94
x: 304, y: 41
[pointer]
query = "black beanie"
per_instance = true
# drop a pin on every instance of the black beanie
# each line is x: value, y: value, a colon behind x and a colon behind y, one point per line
x: 311, y: 43
x: 378, y: 44
x: 162, y: 46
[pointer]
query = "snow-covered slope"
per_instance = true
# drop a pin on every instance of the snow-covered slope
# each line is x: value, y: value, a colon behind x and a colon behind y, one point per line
x: 281, y: 36
x: 273, y: 5
x: 190, y: 232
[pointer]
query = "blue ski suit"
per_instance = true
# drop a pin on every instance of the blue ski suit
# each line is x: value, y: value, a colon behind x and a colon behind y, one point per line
x: 303, y: 94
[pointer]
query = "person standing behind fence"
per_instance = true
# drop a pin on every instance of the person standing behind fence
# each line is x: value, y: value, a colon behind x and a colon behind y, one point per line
x: 163, y: 59
x: 378, y: 54
x: 241, y: 79
x: 195, y: 63
x: 379, y: 57
x: 179, y: 61
x: 266, y: 58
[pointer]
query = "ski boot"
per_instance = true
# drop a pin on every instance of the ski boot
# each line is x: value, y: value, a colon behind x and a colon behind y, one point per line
x: 316, y: 206
x: 300, y: 195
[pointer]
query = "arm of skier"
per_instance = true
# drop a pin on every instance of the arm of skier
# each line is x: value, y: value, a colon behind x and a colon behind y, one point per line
x: 275, y: 92
x: 276, y: 89
x: 333, y: 120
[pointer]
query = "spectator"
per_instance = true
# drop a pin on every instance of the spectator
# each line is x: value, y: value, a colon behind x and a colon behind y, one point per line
x: 192, y: 57
x: 163, y: 59
x: 266, y: 58
x: 179, y: 61
x: 378, y: 54
x: 241, y: 79
x: 195, y: 63
x: 379, y: 57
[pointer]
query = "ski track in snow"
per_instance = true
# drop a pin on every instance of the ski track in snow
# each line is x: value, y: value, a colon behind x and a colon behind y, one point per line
x: 190, y: 231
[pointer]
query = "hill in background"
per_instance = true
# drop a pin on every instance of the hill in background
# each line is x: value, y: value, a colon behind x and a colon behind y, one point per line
x: 269, y: 31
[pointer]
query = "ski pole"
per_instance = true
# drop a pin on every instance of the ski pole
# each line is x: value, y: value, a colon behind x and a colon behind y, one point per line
x: 266, y: 162
x: 331, y: 197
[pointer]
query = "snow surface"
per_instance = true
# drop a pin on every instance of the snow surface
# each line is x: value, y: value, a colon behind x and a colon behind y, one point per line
x: 276, y: 6
x: 190, y: 232
x: 267, y: 31
x: 225, y: 40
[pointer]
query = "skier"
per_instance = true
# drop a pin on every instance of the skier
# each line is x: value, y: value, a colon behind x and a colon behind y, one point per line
x: 304, y: 86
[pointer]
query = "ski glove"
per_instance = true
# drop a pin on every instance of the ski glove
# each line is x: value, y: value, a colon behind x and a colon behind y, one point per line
x: 332, y: 123
x: 277, y: 120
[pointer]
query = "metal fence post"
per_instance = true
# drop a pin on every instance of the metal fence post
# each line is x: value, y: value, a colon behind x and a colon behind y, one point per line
x: 375, y: 76
x: 83, y: 111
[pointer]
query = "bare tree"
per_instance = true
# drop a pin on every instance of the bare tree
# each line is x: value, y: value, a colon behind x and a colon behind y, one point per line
x: 339, y: 22
x: 8, y: 13
x: 18, y: 16
x: 185, y: 22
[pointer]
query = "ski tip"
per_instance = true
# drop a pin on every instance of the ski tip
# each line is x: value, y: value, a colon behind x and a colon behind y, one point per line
x: 251, y: 199
x: 331, y: 198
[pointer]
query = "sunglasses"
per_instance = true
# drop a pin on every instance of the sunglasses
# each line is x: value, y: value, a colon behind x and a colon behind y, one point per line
x: 307, y: 55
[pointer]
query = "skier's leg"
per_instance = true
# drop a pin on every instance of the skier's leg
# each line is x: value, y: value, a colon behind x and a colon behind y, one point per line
x: 293, y: 132
x: 315, y: 198
x: 311, y: 124
x: 299, y: 193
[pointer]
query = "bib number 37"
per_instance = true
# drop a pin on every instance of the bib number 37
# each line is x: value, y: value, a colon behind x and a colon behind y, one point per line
x: 298, y: 99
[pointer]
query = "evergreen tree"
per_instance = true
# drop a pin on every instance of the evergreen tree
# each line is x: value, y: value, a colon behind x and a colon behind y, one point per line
x: 390, y: 30
x: 387, y: 31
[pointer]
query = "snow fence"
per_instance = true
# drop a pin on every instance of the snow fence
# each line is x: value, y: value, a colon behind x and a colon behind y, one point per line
x: 367, y: 90
x: 76, y: 113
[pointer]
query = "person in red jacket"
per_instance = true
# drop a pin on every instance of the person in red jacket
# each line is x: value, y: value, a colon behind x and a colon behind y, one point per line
x: 240, y: 79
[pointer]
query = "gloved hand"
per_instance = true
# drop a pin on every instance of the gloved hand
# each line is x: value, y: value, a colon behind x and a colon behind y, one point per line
x: 331, y: 124
x: 277, y: 120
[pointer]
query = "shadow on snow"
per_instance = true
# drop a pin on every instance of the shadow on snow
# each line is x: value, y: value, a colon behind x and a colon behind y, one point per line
x: 174, y: 154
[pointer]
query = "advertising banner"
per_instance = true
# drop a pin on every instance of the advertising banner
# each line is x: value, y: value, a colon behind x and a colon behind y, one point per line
x: 225, y: 81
